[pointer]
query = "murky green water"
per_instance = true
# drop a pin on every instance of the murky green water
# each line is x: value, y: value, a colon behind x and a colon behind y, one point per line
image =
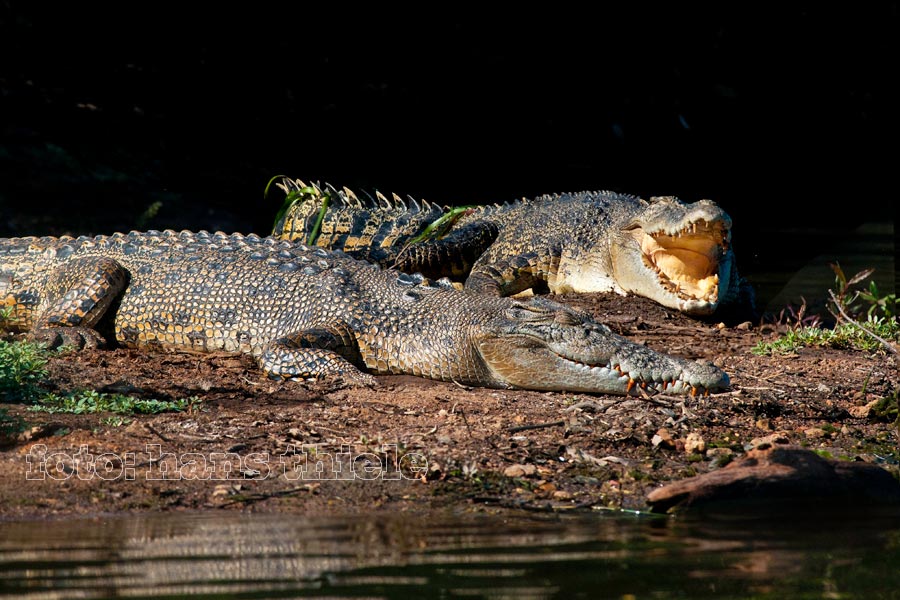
x: 227, y: 555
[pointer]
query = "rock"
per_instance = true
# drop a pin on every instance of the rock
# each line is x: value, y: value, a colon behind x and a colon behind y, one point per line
x: 764, y: 424
x: 545, y: 490
x: 520, y: 470
x: 761, y: 443
x: 784, y: 478
x: 861, y: 412
x: 694, y: 443
x: 814, y: 433
x: 663, y: 438
x: 35, y: 433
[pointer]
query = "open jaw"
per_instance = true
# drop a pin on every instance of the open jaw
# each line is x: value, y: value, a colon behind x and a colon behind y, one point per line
x: 686, y: 261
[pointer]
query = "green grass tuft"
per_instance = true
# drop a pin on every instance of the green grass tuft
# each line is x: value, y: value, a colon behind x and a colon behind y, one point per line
x: 90, y: 402
x: 847, y: 336
x: 23, y: 366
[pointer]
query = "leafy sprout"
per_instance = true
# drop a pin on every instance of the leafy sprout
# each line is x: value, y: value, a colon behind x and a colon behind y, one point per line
x: 442, y: 224
x: 301, y: 195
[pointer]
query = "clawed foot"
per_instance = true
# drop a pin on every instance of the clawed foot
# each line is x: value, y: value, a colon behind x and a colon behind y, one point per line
x: 68, y: 337
x: 359, y: 379
x: 349, y: 378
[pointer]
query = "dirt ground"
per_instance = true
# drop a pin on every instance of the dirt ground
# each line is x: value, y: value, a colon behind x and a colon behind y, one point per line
x: 412, y: 444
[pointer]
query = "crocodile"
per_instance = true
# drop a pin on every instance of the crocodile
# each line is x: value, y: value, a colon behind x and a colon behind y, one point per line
x: 306, y: 312
x: 675, y: 253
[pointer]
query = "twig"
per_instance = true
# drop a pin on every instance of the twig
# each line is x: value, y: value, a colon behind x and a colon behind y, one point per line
x: 462, y: 413
x: 461, y: 385
x: 337, y: 431
x: 535, y: 426
x: 840, y: 308
x: 585, y: 404
x: 659, y: 399
x: 153, y: 430
x: 247, y: 499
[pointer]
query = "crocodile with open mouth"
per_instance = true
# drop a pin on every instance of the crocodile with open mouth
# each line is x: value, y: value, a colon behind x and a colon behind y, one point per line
x: 675, y: 253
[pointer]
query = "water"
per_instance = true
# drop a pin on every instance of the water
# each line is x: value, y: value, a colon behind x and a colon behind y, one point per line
x: 232, y: 555
x: 789, y: 265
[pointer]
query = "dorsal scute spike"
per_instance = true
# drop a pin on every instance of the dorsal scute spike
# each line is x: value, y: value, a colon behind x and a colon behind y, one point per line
x: 350, y: 198
x: 544, y: 198
x: 413, y: 204
x: 337, y: 197
x: 369, y: 200
x: 327, y: 188
x: 288, y: 185
x: 382, y: 200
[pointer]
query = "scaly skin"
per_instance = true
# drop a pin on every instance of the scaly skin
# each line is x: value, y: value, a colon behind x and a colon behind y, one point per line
x: 675, y: 253
x: 307, y: 313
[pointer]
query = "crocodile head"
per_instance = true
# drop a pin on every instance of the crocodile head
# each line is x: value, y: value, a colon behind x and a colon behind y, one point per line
x: 677, y: 254
x: 543, y: 345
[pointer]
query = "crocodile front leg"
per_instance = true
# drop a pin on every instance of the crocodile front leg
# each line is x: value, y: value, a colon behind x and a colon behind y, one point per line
x: 331, y: 351
x: 75, y: 297
x: 506, y: 276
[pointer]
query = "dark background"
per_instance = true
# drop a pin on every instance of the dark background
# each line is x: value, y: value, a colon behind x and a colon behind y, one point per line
x: 785, y: 114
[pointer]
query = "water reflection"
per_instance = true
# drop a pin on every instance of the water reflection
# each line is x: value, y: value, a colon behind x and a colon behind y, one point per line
x: 397, y: 556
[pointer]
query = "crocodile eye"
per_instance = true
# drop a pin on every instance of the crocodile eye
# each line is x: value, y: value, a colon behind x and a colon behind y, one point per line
x: 523, y: 312
x: 517, y: 313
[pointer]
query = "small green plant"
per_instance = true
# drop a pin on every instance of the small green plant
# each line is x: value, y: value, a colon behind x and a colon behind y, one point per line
x: 886, y: 409
x: 440, y: 226
x: 877, y: 331
x: 849, y: 302
x: 437, y: 228
x: 847, y: 336
x: 116, y: 421
x: 828, y: 428
x: 885, y: 304
x: 23, y: 365
x: 301, y: 195
x: 843, y: 296
x: 796, y: 318
x: 91, y: 401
